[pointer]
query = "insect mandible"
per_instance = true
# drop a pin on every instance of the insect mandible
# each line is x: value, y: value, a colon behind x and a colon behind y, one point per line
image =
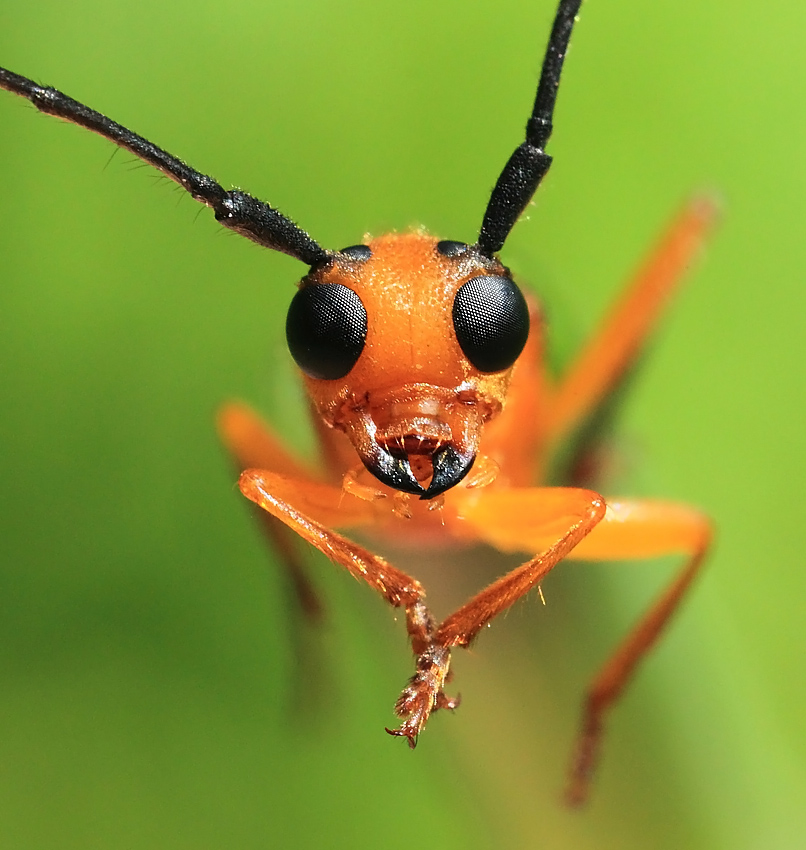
x: 425, y: 370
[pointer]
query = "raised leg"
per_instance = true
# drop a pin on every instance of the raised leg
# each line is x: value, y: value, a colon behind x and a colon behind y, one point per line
x: 252, y: 443
x: 618, y: 342
x: 630, y: 529
x: 561, y: 518
x: 309, y: 510
x: 571, y: 515
x: 297, y: 504
x: 634, y: 529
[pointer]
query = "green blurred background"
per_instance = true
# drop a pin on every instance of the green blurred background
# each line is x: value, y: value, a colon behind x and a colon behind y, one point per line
x: 150, y: 661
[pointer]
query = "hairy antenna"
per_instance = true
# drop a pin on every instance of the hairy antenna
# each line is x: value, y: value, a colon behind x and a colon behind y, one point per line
x: 237, y: 210
x: 529, y: 163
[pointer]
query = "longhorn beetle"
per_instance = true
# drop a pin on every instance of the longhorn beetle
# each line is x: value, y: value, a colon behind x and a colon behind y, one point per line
x: 425, y: 370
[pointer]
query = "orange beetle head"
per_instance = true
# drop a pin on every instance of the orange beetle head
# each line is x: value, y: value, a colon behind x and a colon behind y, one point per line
x: 407, y: 345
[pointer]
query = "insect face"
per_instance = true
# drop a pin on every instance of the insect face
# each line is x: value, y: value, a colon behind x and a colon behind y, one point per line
x: 408, y: 346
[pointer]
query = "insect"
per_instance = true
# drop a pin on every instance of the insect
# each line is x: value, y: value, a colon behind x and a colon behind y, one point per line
x: 425, y: 369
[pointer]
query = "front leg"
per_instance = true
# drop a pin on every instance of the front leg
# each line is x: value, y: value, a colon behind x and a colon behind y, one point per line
x: 296, y: 503
x: 568, y: 515
x: 558, y: 519
x: 630, y: 529
x: 621, y: 337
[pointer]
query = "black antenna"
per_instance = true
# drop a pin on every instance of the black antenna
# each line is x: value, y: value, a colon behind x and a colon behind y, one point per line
x: 236, y: 210
x: 529, y: 163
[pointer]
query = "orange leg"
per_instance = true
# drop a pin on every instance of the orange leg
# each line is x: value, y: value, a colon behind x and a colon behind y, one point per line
x: 615, y: 346
x: 635, y: 529
x: 294, y: 503
x: 309, y: 509
x: 572, y: 514
x: 560, y: 517
x: 630, y: 529
x: 251, y: 442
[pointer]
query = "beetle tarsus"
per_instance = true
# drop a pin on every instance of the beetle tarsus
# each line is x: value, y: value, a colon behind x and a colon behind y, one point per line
x: 423, y: 695
x: 401, y: 733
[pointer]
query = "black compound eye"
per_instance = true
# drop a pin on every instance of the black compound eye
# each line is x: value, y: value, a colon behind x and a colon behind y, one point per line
x: 491, y: 321
x: 326, y: 329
